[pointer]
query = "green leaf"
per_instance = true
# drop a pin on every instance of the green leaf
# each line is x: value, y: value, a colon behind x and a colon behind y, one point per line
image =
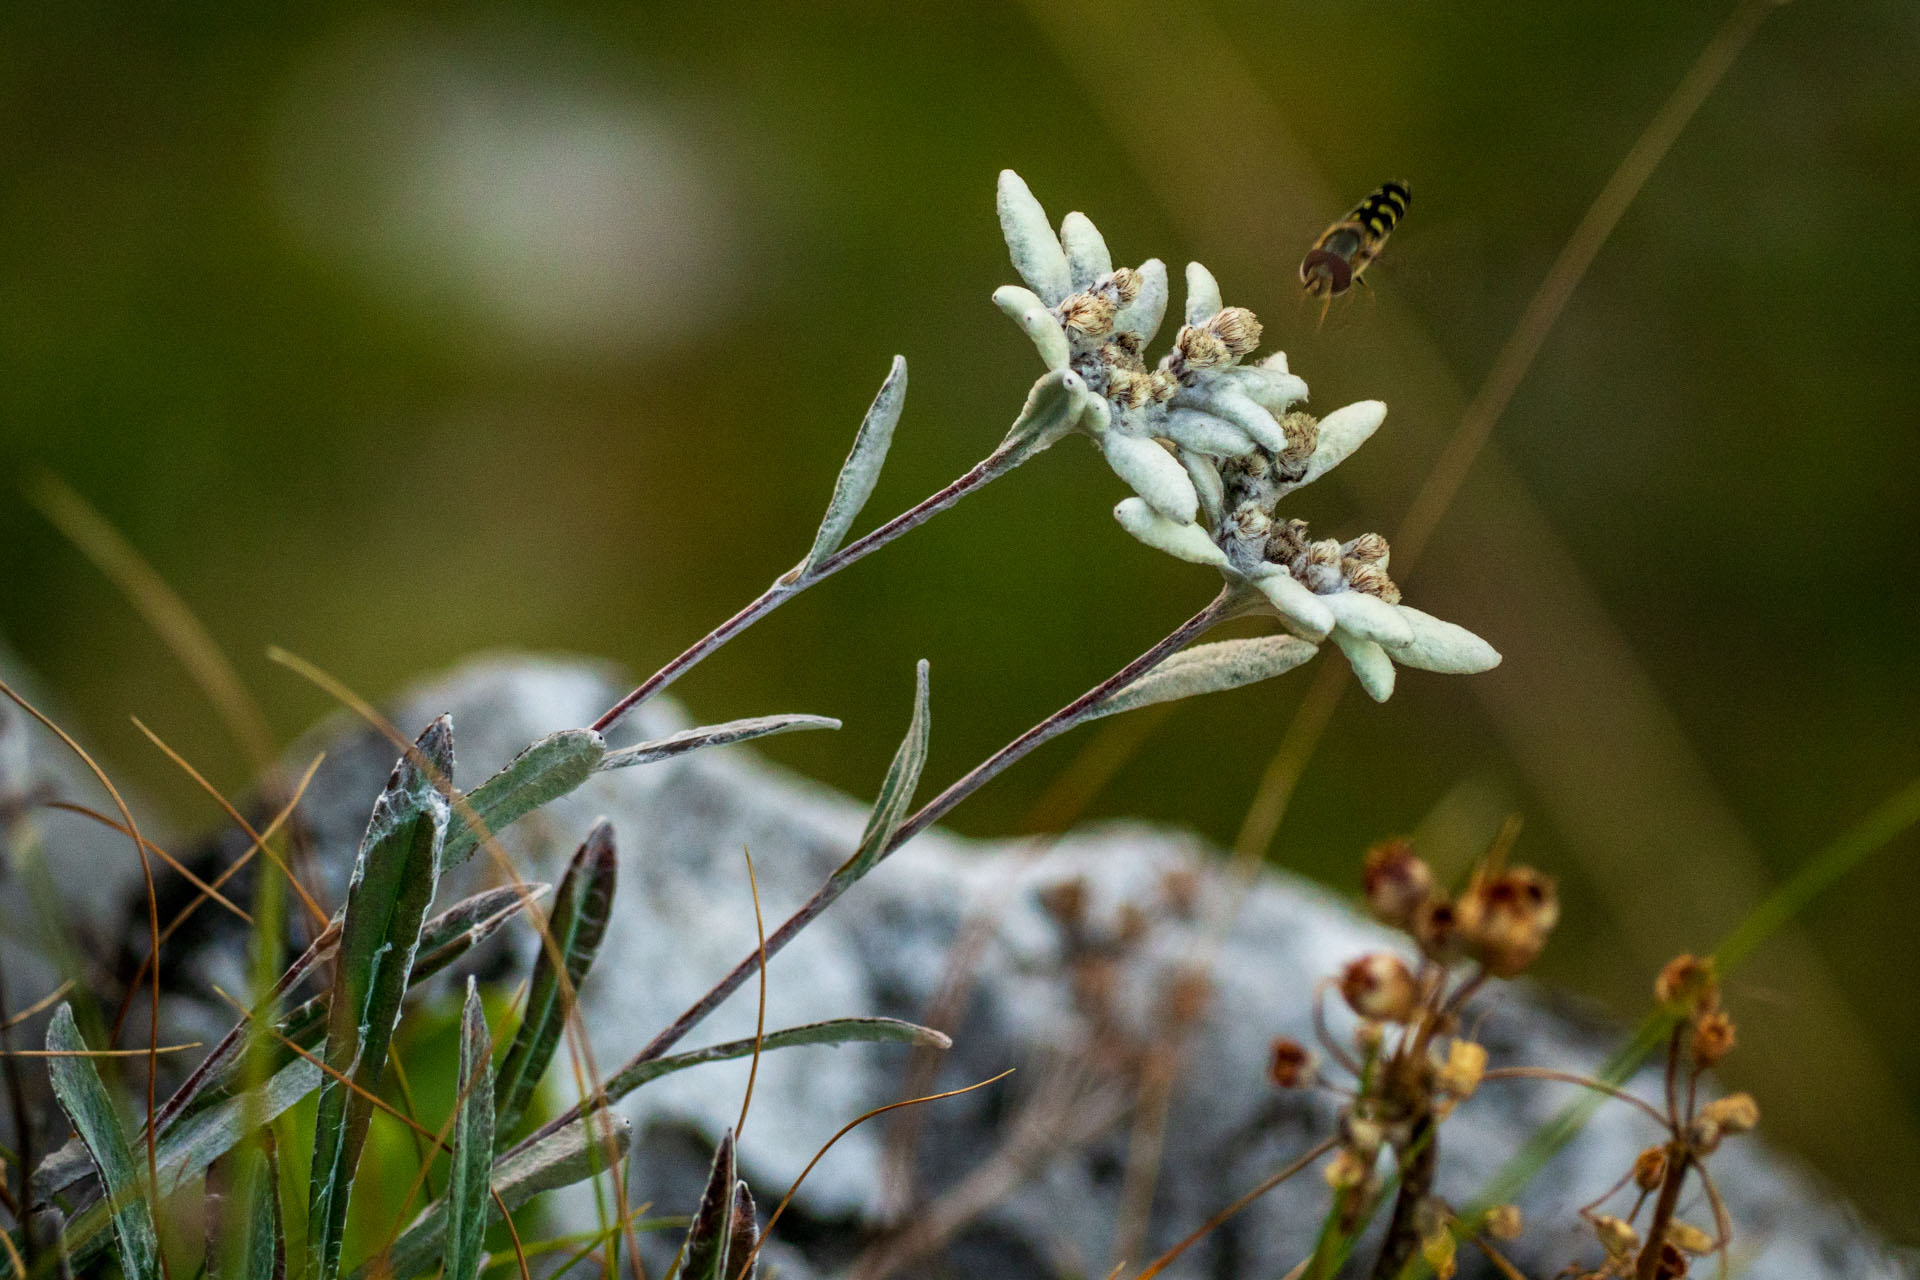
x: 254, y: 1245
x: 575, y: 1153
x: 579, y: 921
x: 393, y: 882
x: 550, y: 768
x: 896, y: 789
x: 84, y: 1098
x: 710, y: 1236
x: 836, y: 1031
x: 1209, y: 668
x: 1052, y: 410
x: 472, y: 1159
x: 201, y: 1139
x: 712, y: 735
x: 861, y: 471
x: 443, y: 940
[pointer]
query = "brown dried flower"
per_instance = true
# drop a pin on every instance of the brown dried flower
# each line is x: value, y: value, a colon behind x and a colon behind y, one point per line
x: 1396, y: 882
x: 1380, y: 988
x: 1290, y: 1065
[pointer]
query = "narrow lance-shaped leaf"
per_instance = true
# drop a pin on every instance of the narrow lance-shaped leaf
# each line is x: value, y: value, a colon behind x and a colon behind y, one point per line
x: 574, y: 1154
x: 550, y: 768
x: 1209, y: 668
x: 443, y: 940
x: 710, y: 1236
x: 896, y: 789
x: 393, y: 882
x: 472, y: 1159
x: 835, y: 1032
x: 861, y: 471
x: 84, y: 1098
x: 743, y: 1256
x: 199, y: 1141
x: 581, y: 907
x: 712, y: 735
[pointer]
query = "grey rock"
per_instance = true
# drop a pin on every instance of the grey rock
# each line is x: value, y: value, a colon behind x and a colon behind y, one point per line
x: 1045, y: 994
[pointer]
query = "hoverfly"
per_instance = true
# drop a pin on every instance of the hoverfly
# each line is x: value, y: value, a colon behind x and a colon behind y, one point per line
x: 1345, y: 249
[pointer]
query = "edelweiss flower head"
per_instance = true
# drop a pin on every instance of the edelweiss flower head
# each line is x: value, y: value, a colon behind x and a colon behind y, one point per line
x: 1210, y: 444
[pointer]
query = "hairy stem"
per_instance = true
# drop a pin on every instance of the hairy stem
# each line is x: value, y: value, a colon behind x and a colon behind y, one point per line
x: 797, y: 580
x: 935, y: 809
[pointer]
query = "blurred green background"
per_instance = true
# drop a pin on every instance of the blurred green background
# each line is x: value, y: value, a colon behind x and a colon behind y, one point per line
x: 395, y: 334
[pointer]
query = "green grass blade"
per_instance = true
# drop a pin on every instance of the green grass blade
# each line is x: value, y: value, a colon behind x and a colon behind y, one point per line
x: 579, y: 920
x: 84, y: 1098
x: 246, y: 1241
x: 896, y: 789
x: 861, y: 471
x: 574, y: 1154
x: 393, y: 882
x: 199, y: 1141
x: 710, y: 1236
x: 545, y: 771
x: 836, y: 1031
x: 472, y: 1160
x: 713, y: 735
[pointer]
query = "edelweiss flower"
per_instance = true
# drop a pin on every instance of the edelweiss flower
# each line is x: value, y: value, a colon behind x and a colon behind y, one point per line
x: 1211, y: 445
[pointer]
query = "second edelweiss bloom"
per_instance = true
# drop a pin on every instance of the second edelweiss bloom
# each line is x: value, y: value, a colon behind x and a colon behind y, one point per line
x: 1211, y: 444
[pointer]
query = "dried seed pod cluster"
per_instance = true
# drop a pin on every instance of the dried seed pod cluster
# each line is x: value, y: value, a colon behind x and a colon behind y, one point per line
x: 1410, y: 1062
x: 1703, y: 1034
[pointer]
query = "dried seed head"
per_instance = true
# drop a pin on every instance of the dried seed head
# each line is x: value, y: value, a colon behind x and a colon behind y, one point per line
x: 1460, y: 1074
x: 1285, y: 541
x: 1162, y: 385
x: 1290, y: 1065
x: 1196, y: 348
x: 1436, y: 927
x: 1248, y: 521
x: 1066, y: 902
x: 1125, y: 284
x: 1129, y: 388
x: 1688, y: 980
x: 1369, y: 548
x: 1380, y: 988
x: 1237, y: 328
x: 1503, y: 1222
x: 1650, y: 1168
x: 1123, y: 349
x: 1395, y: 881
x: 1689, y: 1238
x: 1505, y: 919
x: 1617, y: 1237
x: 1370, y: 578
x: 1670, y: 1263
x: 1302, y: 431
x: 1181, y: 888
x: 1346, y: 1170
x: 1735, y: 1113
x: 1712, y: 1038
x: 1324, y: 552
x: 1089, y: 315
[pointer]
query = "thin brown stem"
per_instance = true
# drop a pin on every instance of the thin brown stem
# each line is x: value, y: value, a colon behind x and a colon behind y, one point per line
x: 1585, y: 1082
x: 935, y: 809
x: 1679, y: 1160
x: 1217, y: 1220
x: 795, y: 581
